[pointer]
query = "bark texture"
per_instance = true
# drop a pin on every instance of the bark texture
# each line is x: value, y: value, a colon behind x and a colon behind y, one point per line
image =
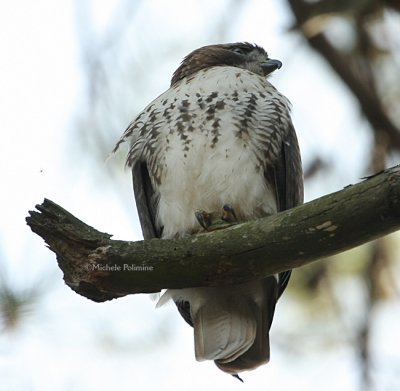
x: 101, y: 269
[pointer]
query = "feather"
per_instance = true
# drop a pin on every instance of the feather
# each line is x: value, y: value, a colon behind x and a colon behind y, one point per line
x: 221, y: 134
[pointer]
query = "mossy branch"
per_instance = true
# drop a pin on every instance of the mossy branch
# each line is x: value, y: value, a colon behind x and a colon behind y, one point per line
x: 100, y: 268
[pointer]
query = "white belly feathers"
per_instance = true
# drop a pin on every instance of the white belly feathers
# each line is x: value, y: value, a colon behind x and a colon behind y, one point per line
x: 207, y: 178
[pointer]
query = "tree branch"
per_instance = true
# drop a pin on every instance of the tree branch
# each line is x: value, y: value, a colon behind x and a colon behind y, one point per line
x: 370, y: 102
x: 100, y: 268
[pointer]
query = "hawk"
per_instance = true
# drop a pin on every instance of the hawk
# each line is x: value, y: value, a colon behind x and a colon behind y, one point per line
x: 219, y: 139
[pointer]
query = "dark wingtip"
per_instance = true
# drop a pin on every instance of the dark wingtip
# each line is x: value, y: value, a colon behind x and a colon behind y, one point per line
x: 238, y: 377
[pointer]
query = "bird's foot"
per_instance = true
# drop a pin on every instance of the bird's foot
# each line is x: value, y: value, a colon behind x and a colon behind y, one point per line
x: 212, y: 221
x: 228, y: 214
x: 204, y: 218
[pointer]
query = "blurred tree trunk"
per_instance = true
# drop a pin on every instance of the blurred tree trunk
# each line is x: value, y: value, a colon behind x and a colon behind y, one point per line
x: 361, y: 67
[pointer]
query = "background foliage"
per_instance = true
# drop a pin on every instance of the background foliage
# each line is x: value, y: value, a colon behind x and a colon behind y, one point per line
x: 71, y: 85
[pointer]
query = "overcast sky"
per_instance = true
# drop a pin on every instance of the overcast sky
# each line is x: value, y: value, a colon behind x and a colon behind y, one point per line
x: 72, y: 343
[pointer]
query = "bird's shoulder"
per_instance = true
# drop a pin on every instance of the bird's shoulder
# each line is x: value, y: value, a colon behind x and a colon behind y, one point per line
x: 222, y: 89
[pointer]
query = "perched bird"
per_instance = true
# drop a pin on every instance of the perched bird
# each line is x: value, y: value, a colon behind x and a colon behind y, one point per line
x: 219, y: 139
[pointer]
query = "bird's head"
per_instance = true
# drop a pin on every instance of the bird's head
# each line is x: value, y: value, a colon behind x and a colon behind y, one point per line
x: 242, y: 55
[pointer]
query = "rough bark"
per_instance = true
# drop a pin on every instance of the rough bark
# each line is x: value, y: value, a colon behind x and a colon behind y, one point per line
x: 100, y: 268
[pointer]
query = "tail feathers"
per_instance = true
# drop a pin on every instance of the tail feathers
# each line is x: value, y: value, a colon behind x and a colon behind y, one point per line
x: 259, y: 352
x: 257, y: 355
x: 223, y: 332
x: 231, y: 324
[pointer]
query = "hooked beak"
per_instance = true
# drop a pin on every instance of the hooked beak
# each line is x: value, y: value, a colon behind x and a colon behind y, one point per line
x: 270, y: 65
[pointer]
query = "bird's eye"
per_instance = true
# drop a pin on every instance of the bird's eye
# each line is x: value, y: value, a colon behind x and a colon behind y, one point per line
x: 240, y: 51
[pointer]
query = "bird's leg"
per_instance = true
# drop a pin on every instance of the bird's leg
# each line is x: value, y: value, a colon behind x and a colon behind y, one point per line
x: 228, y: 214
x: 203, y: 218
